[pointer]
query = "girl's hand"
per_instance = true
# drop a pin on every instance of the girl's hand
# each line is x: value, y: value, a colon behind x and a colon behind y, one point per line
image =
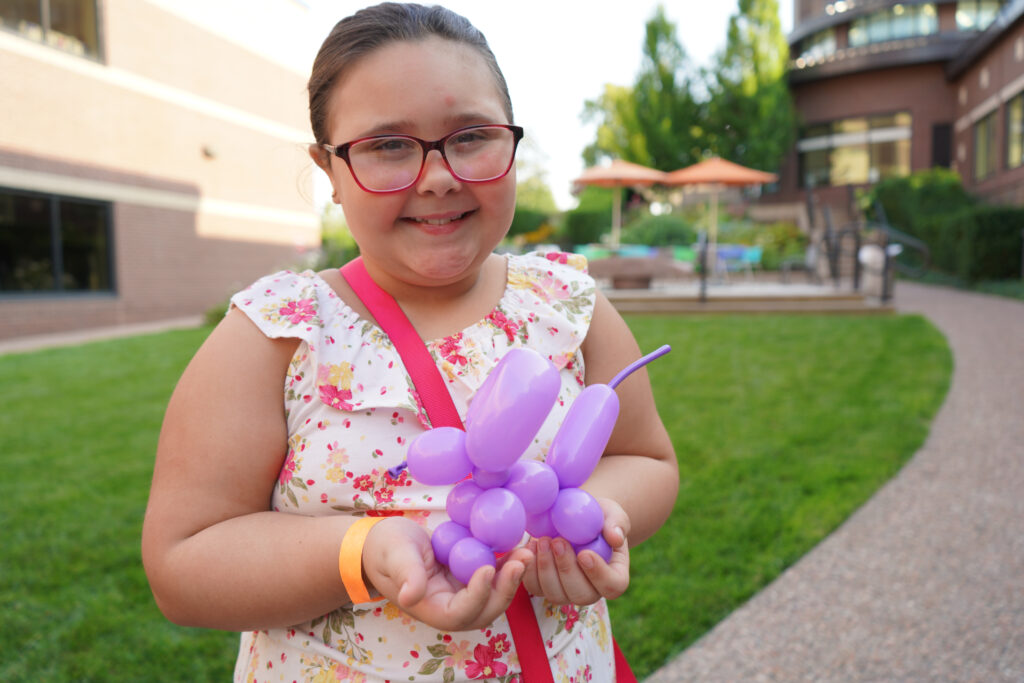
x: 399, y: 562
x: 555, y: 572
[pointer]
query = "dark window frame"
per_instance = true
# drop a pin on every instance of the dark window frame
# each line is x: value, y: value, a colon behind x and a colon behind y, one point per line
x: 46, y: 27
x: 987, y: 125
x: 56, y: 246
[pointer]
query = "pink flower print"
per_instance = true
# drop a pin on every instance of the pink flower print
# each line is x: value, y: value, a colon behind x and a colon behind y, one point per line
x: 335, y: 397
x: 449, y: 350
x: 484, y: 664
x: 298, y: 312
x: 458, y: 653
x: 509, y: 327
x: 288, y: 469
x: 364, y: 482
x: 558, y: 256
x: 571, y: 616
x: 384, y: 495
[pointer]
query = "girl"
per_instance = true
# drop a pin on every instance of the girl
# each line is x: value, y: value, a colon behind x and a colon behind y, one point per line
x: 279, y: 436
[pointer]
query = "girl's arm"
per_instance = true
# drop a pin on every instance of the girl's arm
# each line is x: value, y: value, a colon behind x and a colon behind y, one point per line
x: 214, y: 553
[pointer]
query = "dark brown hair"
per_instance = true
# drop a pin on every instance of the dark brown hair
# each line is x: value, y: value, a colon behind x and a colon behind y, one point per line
x: 373, y: 27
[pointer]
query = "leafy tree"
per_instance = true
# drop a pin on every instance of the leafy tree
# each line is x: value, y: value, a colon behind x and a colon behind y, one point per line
x: 656, y: 121
x: 751, y: 118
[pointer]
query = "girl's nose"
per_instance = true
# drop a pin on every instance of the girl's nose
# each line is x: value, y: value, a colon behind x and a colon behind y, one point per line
x: 436, y: 176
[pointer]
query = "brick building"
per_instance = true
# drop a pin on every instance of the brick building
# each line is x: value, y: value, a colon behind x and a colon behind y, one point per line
x: 887, y: 88
x: 149, y: 165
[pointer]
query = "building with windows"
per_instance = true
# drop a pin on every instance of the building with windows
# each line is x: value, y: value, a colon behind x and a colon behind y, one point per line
x: 150, y: 163
x: 886, y: 88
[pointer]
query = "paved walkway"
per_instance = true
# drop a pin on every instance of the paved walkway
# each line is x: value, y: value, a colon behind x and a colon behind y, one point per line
x: 926, y: 581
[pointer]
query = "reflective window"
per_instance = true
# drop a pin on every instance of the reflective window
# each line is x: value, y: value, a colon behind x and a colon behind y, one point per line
x: 1015, y: 131
x: 69, y: 25
x: 986, y: 155
x: 818, y: 45
x: 894, y: 23
x: 856, y: 151
x: 54, y: 244
x: 976, y: 15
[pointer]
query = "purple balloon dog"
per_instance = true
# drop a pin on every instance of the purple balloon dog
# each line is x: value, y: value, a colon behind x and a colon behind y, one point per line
x: 497, y: 497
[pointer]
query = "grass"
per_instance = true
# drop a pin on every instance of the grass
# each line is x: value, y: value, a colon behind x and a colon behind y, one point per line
x: 783, y: 426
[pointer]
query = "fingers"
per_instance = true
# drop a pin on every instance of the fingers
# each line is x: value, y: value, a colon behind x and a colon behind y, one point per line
x: 561, y: 576
x: 612, y: 579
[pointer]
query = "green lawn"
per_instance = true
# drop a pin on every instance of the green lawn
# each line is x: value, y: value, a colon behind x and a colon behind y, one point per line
x: 783, y: 426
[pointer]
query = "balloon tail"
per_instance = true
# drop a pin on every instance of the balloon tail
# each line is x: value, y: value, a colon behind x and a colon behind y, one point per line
x: 397, y: 470
x: 636, y: 365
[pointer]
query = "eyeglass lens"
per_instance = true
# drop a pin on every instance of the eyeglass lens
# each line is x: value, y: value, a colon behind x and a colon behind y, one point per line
x: 394, y: 162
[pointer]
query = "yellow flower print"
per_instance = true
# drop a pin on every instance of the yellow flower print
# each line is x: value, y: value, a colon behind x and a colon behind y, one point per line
x: 335, y: 375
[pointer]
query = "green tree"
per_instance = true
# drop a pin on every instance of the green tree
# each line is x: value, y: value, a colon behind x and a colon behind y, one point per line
x: 656, y: 122
x: 751, y: 119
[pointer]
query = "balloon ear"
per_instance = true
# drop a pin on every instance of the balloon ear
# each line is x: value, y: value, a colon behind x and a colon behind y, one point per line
x: 523, y: 387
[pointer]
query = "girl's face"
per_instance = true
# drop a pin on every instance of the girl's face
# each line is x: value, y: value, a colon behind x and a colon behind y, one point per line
x: 439, y: 231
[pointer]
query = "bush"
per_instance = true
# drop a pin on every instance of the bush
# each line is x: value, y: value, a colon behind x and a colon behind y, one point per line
x: 660, y: 231
x: 527, y: 220
x: 909, y: 200
x: 778, y: 241
x: 978, y: 243
x: 586, y: 226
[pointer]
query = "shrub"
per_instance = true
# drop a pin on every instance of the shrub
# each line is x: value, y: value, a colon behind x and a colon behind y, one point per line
x: 527, y: 220
x: 978, y: 243
x: 586, y: 226
x: 779, y: 241
x: 909, y: 200
x: 660, y: 231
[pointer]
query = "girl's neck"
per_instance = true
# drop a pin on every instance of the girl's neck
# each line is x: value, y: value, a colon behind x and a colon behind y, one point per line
x: 441, y: 310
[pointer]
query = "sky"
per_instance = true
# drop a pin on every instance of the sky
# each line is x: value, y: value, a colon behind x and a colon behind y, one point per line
x: 556, y: 54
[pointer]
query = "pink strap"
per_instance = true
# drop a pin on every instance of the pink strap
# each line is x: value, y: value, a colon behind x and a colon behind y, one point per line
x: 418, y: 362
x: 436, y: 400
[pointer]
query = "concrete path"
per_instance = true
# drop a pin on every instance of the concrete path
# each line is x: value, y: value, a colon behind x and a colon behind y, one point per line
x: 47, y: 341
x: 926, y: 581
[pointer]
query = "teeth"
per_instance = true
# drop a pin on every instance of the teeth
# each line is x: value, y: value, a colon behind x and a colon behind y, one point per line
x: 440, y: 221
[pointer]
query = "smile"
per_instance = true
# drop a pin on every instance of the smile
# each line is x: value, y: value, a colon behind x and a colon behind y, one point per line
x: 440, y: 221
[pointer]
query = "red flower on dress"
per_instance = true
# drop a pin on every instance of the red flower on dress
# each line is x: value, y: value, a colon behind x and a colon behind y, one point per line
x: 571, y: 616
x: 364, y: 482
x: 449, y: 350
x: 298, y: 312
x: 499, y: 644
x: 335, y: 397
x: 558, y: 256
x: 484, y: 664
x: 499, y: 320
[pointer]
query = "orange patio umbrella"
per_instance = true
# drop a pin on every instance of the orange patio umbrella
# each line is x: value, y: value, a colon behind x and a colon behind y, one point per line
x: 616, y: 175
x: 717, y: 173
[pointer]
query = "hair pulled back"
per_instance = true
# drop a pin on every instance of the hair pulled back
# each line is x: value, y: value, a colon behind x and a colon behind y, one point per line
x: 373, y: 27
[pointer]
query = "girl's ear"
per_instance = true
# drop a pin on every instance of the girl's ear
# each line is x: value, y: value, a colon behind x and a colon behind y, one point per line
x: 320, y: 157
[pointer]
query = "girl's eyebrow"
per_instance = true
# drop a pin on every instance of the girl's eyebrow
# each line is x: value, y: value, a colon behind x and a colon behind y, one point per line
x: 401, y: 127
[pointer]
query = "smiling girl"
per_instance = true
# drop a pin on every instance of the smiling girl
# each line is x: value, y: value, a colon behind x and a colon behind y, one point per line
x: 278, y: 440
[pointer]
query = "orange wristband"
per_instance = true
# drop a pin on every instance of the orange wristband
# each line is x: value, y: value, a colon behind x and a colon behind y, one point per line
x: 350, y: 559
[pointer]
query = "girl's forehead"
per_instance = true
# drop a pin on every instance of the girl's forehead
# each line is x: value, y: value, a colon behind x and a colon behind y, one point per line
x: 406, y: 85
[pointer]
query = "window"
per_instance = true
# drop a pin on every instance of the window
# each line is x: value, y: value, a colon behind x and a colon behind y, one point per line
x: 855, y: 151
x: 985, y: 154
x: 69, y: 25
x: 976, y: 15
x: 1015, y: 131
x: 54, y: 244
x: 817, y: 46
x: 894, y: 23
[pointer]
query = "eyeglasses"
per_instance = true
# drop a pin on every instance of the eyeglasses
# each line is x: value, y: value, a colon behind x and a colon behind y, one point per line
x: 391, y: 163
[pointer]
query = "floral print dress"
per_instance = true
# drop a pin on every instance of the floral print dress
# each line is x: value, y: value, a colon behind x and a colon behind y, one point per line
x: 351, y: 412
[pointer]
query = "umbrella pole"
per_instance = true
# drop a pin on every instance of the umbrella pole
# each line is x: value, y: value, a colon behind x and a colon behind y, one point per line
x: 714, y: 228
x: 616, y: 217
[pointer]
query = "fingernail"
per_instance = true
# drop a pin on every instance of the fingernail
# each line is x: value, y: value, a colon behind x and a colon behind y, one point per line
x: 559, y: 548
x: 586, y: 561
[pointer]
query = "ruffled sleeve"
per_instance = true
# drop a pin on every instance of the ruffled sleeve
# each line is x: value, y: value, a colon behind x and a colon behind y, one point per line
x: 355, y: 366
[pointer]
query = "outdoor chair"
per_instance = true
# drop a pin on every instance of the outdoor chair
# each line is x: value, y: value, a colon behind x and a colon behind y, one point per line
x: 808, y: 264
